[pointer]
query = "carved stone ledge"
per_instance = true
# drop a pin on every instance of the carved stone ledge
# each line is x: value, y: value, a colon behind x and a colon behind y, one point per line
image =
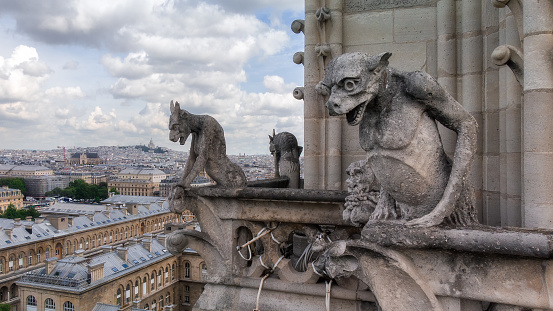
x: 481, y: 239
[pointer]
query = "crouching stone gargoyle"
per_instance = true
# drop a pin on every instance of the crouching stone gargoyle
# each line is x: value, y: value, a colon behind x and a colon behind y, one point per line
x: 397, y: 113
x: 208, y: 149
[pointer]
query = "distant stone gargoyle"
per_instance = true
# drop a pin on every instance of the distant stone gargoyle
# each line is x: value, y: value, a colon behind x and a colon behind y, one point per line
x: 397, y: 113
x: 286, y: 152
x: 208, y: 150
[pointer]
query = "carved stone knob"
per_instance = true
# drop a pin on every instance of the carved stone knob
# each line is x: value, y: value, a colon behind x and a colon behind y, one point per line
x: 298, y: 58
x: 298, y: 93
x: 322, y: 14
x: 176, y: 242
x: 501, y: 55
x: 298, y: 25
x: 500, y: 3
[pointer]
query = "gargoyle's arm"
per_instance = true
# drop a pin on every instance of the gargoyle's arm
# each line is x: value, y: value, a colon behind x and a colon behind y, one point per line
x: 195, y: 163
x: 446, y: 110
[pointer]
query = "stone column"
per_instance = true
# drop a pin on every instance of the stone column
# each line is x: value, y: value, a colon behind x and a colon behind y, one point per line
x: 471, y: 79
x: 491, y: 133
x: 510, y: 128
x: 447, y: 61
x: 538, y: 113
x: 333, y: 150
x: 313, y: 109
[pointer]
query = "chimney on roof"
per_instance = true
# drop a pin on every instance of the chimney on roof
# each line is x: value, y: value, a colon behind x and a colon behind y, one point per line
x: 133, y: 241
x: 90, y: 216
x: 29, y: 218
x: 8, y: 233
x: 107, y: 213
x: 96, y: 271
x: 122, y: 252
x: 51, y: 264
x: 17, y: 222
x: 39, y: 220
x: 106, y: 249
x: 132, y: 209
x: 70, y: 221
x: 29, y: 228
x: 162, y: 238
x: 59, y: 222
x: 147, y: 244
x: 79, y: 252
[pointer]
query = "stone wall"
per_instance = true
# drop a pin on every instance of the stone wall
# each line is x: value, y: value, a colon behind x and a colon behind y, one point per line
x: 453, y: 41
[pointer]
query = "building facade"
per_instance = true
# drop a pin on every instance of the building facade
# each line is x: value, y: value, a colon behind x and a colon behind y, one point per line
x: 10, y: 197
x: 26, y: 244
x: 140, y: 275
x: 85, y: 158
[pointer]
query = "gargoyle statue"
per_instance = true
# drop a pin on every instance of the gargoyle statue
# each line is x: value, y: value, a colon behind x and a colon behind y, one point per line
x: 397, y: 113
x: 208, y: 150
x: 284, y: 147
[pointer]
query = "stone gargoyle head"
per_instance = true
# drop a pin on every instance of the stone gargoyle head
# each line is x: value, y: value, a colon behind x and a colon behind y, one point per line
x: 352, y: 81
x: 179, y: 129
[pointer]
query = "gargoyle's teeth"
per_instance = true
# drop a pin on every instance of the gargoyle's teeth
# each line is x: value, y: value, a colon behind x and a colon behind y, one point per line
x: 354, y: 117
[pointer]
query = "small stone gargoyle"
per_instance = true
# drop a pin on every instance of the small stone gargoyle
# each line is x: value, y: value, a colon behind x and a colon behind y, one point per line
x: 286, y: 152
x: 397, y: 113
x: 208, y: 149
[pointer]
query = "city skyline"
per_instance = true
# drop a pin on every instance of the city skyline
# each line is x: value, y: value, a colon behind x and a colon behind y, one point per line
x: 103, y: 73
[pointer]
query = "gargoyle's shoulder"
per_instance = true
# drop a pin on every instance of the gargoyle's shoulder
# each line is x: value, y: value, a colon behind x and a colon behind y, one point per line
x: 421, y: 85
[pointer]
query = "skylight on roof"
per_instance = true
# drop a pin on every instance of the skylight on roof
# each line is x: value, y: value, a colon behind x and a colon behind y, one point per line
x: 135, y: 261
x: 141, y: 258
x: 8, y: 242
x: 114, y: 269
x: 150, y: 256
x: 27, y: 237
x: 157, y: 253
x: 125, y: 266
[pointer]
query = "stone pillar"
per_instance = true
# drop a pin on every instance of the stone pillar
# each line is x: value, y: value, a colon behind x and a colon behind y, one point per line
x: 491, y: 119
x: 510, y: 128
x: 447, y: 61
x: 313, y: 109
x: 333, y: 150
x: 538, y: 114
x: 471, y: 79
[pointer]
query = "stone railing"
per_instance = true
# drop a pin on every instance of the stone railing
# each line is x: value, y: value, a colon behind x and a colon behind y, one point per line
x: 253, y: 232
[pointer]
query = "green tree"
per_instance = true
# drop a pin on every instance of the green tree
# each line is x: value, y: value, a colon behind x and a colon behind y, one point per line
x: 5, y: 307
x: 14, y: 183
x: 113, y: 190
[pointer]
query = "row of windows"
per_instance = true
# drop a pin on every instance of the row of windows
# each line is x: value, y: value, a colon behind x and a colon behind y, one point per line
x: 70, y: 247
x: 152, y: 280
x: 49, y: 304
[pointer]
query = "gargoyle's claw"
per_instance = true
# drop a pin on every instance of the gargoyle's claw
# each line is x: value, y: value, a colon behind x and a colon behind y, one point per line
x: 425, y: 221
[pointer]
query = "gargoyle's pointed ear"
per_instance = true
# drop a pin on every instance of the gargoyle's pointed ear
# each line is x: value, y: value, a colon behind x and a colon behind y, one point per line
x: 270, y: 138
x: 177, y: 106
x: 172, y: 105
x: 384, y: 59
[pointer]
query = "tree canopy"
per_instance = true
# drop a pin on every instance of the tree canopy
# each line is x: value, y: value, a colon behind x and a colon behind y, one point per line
x: 14, y: 183
x: 80, y: 190
x: 11, y: 213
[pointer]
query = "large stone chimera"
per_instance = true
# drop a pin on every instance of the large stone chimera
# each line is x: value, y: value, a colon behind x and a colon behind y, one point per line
x: 397, y: 113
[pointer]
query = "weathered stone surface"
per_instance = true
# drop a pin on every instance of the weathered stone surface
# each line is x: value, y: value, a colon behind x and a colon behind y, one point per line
x: 396, y: 112
x: 368, y: 5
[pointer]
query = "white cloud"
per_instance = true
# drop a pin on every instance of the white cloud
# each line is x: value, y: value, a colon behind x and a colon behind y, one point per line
x: 149, y: 52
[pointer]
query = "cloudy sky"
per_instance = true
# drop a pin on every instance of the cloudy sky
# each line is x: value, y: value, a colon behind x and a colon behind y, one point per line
x: 95, y: 72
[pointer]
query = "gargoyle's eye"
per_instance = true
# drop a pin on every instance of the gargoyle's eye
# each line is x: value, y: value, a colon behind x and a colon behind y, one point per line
x: 350, y: 84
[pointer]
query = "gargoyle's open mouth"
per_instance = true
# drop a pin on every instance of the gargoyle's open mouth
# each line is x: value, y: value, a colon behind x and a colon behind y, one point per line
x: 182, y: 140
x: 354, y: 117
